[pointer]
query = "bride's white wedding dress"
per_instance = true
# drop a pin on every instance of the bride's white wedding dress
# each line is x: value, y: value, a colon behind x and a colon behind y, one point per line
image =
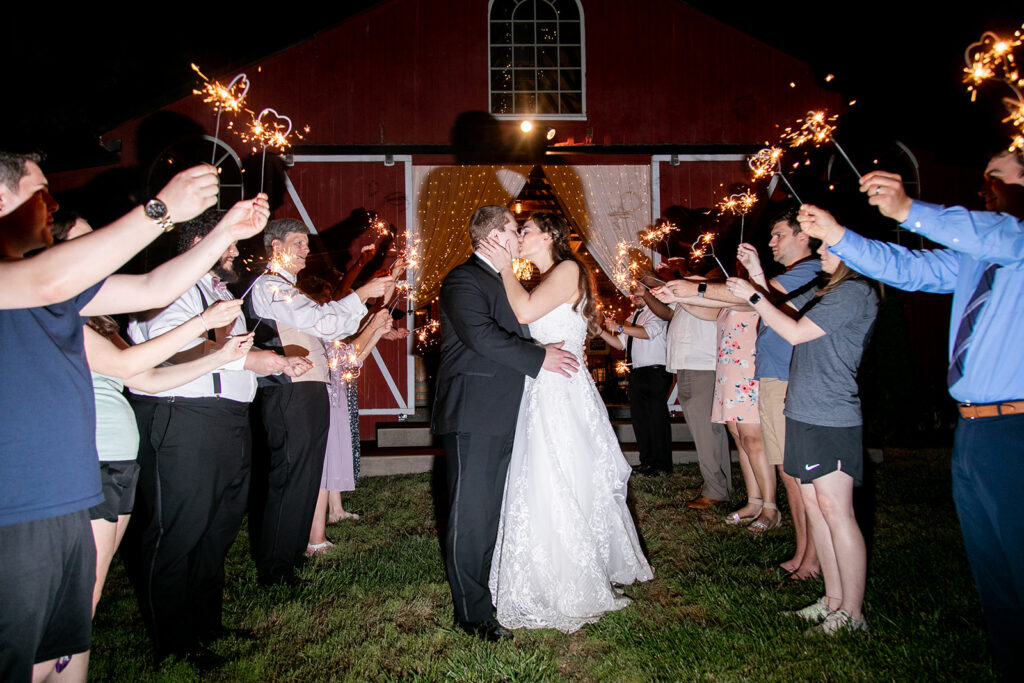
x: 566, y: 535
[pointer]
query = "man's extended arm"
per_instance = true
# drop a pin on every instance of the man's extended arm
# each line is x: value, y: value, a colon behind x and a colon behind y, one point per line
x: 61, y: 272
x: 275, y: 298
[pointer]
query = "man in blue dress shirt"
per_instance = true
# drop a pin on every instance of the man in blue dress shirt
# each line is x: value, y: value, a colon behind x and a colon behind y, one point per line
x: 983, y: 266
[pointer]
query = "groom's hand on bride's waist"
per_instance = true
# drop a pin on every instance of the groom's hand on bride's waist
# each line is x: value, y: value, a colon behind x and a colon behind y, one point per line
x: 557, y: 360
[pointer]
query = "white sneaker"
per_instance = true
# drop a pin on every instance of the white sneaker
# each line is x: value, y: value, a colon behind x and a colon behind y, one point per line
x: 839, y: 620
x: 814, y: 613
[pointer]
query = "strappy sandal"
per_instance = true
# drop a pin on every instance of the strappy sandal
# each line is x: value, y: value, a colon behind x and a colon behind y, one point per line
x: 318, y: 548
x: 734, y: 519
x: 345, y: 515
x: 759, y: 526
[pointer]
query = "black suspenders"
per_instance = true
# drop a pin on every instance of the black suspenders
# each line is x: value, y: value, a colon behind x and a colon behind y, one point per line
x: 212, y: 336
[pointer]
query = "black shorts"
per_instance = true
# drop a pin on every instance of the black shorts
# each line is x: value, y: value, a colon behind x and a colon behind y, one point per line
x: 46, y: 582
x: 118, y: 478
x: 812, y: 451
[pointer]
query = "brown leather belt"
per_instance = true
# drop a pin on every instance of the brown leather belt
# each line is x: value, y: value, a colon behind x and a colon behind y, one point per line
x: 972, y: 411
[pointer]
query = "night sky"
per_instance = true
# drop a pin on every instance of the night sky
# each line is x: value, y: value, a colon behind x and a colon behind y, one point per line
x: 77, y: 76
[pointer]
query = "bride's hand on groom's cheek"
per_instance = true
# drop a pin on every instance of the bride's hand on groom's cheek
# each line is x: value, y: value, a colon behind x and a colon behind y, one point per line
x: 497, y: 253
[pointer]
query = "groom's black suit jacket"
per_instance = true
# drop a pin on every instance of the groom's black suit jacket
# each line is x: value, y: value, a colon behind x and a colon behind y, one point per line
x: 485, y: 354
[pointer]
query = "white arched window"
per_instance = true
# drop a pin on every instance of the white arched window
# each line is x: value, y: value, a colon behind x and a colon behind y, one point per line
x: 537, y: 59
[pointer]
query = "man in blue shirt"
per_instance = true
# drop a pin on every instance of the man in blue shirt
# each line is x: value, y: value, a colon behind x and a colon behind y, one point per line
x: 983, y: 266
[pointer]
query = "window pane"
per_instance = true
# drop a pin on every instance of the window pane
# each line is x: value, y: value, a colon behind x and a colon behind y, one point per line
x: 547, y: 56
x: 567, y: 9
x: 526, y: 103
x: 501, y: 33
x: 571, y: 103
x: 523, y: 11
x: 547, y: 79
x: 501, y: 104
x: 569, y: 57
x: 502, y: 9
x: 569, y: 33
x: 546, y: 11
x: 547, y: 32
x: 547, y: 103
x: 524, y: 57
x: 570, y: 79
x: 501, y: 80
x: 501, y: 57
x: 526, y: 79
x: 523, y: 32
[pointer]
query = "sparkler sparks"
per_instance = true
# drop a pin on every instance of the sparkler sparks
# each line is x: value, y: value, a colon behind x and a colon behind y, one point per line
x: 657, y: 233
x: 270, y: 129
x: 229, y: 98
x: 767, y: 163
x: 622, y: 367
x: 817, y: 127
x: 705, y: 244
x: 738, y: 204
x: 992, y: 58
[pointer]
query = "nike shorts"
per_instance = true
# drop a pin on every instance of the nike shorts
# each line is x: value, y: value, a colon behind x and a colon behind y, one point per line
x: 813, y: 451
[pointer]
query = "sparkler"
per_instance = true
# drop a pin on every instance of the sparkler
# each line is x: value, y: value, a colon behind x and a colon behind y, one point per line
x: 222, y: 98
x: 423, y: 332
x: 270, y: 129
x: 346, y: 358
x: 817, y: 127
x: 768, y: 163
x: 277, y: 262
x: 704, y: 244
x: 660, y: 231
x: 622, y: 367
x: 738, y: 205
x: 992, y: 58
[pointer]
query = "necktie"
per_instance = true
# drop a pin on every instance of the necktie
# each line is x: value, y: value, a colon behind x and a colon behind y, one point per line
x: 970, y: 316
x: 629, y: 340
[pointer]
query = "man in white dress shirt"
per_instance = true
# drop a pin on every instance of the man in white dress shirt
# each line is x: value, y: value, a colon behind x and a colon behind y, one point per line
x: 194, y: 457
x: 296, y: 411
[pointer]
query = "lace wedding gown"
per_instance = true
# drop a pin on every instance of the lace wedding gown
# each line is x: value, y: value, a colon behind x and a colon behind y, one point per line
x: 565, y: 534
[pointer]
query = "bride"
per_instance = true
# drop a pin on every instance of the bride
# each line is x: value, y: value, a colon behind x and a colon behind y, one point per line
x: 566, y: 537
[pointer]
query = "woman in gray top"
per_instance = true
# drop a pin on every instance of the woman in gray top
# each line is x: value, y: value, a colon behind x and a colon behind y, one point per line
x: 823, y: 429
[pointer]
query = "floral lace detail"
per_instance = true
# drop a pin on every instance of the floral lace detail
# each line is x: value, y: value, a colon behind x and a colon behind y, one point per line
x: 565, y: 534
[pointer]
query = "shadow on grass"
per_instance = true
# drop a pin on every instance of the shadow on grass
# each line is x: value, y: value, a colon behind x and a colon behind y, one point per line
x: 377, y: 607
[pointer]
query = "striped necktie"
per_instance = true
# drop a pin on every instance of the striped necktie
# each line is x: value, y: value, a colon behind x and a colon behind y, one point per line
x: 970, y: 316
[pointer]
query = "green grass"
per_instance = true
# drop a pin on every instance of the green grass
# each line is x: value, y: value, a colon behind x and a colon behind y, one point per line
x: 377, y: 607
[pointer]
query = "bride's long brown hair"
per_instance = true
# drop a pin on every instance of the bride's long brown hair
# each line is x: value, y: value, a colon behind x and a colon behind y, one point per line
x: 553, y: 225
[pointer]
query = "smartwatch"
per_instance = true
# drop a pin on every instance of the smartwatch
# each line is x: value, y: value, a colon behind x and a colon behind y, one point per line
x: 701, y: 288
x: 754, y: 298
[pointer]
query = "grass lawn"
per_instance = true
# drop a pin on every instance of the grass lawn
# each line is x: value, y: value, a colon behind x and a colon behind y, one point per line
x: 377, y: 606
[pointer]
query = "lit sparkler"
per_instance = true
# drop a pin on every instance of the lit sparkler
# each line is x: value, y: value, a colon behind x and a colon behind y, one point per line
x: 223, y: 98
x: 657, y: 233
x: 738, y: 205
x: 817, y: 127
x: 992, y: 58
x: 767, y: 163
x: 277, y: 262
x: 622, y: 367
x: 705, y: 244
x: 270, y: 129
x: 424, y: 332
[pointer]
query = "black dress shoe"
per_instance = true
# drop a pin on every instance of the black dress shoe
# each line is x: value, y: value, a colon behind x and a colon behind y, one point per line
x: 489, y: 630
x: 646, y: 470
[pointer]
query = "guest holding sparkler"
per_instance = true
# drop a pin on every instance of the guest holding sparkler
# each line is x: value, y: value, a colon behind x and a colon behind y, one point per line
x: 643, y: 339
x: 823, y: 430
x: 48, y: 573
x: 982, y: 265
x: 296, y: 414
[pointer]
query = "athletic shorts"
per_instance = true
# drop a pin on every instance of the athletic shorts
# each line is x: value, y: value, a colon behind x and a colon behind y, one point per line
x: 813, y: 451
x: 118, y: 478
x: 46, y: 581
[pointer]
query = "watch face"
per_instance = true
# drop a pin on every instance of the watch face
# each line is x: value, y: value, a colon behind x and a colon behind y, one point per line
x: 156, y: 209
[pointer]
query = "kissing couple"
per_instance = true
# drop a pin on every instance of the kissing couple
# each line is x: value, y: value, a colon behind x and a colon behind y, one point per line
x: 538, y: 526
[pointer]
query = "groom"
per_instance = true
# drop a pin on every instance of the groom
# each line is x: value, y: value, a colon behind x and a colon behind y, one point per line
x: 485, y: 354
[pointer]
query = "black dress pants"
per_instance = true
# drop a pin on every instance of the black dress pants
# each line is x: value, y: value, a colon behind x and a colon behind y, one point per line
x: 296, y: 417
x: 648, y: 411
x: 476, y: 469
x: 190, y: 500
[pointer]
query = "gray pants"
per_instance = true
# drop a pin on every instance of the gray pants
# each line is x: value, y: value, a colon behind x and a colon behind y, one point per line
x: 696, y: 390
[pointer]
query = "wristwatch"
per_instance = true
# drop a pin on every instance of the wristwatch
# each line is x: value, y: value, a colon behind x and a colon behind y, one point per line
x: 701, y: 288
x: 156, y: 211
x: 754, y: 298
x: 619, y: 331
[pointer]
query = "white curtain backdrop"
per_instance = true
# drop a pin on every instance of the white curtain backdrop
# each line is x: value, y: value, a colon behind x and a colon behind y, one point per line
x: 609, y: 204
x: 444, y: 198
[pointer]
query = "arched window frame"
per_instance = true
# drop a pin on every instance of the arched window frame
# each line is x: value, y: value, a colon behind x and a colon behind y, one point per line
x: 494, y: 69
